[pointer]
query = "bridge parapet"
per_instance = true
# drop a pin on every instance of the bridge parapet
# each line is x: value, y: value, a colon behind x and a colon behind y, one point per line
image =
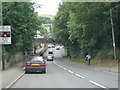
x: 43, y: 40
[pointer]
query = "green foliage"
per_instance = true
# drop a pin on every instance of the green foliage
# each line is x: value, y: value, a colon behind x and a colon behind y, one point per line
x: 60, y: 29
x: 24, y: 23
x: 44, y: 29
x: 86, y: 28
x: 46, y: 20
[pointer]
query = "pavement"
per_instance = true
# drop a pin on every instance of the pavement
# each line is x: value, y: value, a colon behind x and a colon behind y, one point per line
x: 107, y: 69
x: 11, y: 74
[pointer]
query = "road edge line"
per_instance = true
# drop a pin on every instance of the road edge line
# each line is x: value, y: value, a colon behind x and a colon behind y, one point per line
x: 15, y: 80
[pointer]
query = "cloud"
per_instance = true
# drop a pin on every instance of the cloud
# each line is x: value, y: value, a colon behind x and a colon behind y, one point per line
x: 48, y: 6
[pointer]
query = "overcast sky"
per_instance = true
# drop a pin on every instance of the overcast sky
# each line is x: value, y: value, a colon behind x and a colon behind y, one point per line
x: 48, y: 6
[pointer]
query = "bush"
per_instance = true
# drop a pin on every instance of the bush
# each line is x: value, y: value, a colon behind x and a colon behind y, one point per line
x: 105, y: 54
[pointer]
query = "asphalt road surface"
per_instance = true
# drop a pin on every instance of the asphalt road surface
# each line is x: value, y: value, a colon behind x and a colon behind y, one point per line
x: 54, y: 78
x: 64, y: 74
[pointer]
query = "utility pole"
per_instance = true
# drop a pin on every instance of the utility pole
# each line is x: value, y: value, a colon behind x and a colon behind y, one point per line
x: 113, y: 35
x: 50, y: 27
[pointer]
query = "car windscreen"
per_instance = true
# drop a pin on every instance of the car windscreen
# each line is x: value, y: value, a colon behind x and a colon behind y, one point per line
x: 37, y: 59
x: 49, y: 56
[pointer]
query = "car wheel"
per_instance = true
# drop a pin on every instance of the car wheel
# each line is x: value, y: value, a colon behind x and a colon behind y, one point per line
x: 26, y: 72
x: 44, y: 71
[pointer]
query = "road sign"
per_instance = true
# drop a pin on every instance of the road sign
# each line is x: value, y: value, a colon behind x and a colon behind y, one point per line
x: 5, y: 34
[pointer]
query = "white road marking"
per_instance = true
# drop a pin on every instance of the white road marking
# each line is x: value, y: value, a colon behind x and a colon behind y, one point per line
x: 15, y: 80
x: 64, y: 68
x: 79, y: 76
x: 70, y: 71
x: 82, y: 77
x: 55, y: 64
x: 60, y: 66
x: 97, y: 84
x: 23, y: 68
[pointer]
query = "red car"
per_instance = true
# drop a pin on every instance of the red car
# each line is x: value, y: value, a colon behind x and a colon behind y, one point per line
x: 36, y: 64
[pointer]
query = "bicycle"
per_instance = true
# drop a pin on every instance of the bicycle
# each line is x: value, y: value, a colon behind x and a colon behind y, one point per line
x: 88, y: 61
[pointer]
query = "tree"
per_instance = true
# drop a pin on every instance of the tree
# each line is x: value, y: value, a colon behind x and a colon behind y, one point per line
x: 24, y: 22
x: 86, y: 26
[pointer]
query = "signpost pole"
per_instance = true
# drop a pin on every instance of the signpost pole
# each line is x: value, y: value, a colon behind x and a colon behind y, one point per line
x: 3, y: 62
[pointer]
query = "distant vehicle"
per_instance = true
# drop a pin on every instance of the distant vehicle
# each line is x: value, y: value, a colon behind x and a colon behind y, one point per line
x: 50, y: 52
x: 53, y: 46
x: 50, y: 58
x: 57, y: 47
x: 49, y: 46
x: 36, y: 64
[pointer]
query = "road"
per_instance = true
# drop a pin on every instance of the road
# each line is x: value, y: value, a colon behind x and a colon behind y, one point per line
x: 65, y: 74
x: 54, y: 78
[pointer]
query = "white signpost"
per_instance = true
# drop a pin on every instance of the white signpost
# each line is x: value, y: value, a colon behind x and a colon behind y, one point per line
x: 5, y: 35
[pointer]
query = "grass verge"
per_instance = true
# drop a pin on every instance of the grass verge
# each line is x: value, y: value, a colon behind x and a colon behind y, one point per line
x: 99, y: 62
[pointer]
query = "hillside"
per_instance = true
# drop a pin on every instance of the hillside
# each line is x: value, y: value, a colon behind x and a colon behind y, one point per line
x: 47, y: 15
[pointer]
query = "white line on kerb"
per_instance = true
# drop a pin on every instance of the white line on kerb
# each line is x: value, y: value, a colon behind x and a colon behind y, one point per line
x: 97, y: 84
x: 79, y: 76
x: 15, y: 80
x: 70, y: 71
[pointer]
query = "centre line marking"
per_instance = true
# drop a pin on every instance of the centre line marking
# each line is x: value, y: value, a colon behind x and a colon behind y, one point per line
x: 70, y: 71
x: 64, y: 68
x: 79, y: 76
x: 97, y: 84
x: 60, y: 66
